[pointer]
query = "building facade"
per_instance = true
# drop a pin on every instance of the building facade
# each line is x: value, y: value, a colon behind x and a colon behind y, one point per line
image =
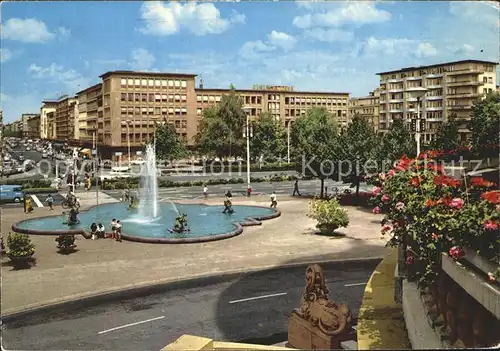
x: 65, y: 117
x: 366, y: 106
x: 441, y: 90
x: 281, y: 102
x: 47, y: 107
x: 51, y: 125
x: 33, y: 128
x: 90, y: 110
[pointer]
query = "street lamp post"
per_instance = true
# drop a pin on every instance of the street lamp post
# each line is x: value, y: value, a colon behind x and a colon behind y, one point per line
x: 288, y: 141
x: 96, y: 161
x: 418, y: 130
x: 247, y: 133
x: 128, y: 142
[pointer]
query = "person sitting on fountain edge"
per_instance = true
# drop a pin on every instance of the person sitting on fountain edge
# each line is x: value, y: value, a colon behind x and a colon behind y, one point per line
x: 228, y: 204
x: 180, y: 225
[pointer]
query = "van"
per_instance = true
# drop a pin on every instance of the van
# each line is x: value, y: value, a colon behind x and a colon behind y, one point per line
x: 10, y: 193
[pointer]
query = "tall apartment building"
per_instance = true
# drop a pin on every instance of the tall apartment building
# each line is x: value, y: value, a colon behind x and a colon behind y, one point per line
x: 90, y: 111
x: 25, y: 125
x: 51, y: 125
x: 366, y: 106
x: 47, y: 107
x: 282, y: 102
x: 65, y: 117
x: 441, y: 90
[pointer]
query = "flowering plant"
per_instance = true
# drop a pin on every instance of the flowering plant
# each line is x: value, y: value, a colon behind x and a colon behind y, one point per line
x: 328, y: 213
x: 429, y: 213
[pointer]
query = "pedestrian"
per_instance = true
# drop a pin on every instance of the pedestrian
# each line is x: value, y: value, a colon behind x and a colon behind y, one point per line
x: 101, y: 231
x: 274, y: 203
x: 296, y: 188
x: 29, y: 207
x: 113, y: 228
x: 50, y: 201
x: 118, y: 230
x: 93, y: 230
x: 205, y: 191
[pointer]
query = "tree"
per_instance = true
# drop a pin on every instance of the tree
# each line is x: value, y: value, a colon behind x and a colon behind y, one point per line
x: 168, y: 144
x: 314, y: 138
x: 268, y: 137
x: 394, y: 144
x: 484, y: 124
x: 356, y: 149
x: 448, y: 135
x: 221, y: 130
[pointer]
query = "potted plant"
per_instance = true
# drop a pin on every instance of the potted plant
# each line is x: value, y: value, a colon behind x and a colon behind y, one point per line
x: 329, y: 215
x: 20, y: 249
x: 66, y: 244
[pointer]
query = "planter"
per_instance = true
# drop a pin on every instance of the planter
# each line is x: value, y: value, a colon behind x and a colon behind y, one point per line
x: 327, y: 229
x: 67, y: 250
x: 476, y: 286
x: 21, y: 261
x: 479, y: 262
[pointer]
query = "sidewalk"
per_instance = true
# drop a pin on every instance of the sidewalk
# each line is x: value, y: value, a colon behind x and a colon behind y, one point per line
x: 104, y: 264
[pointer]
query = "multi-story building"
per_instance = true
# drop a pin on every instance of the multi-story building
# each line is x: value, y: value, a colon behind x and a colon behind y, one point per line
x: 51, y: 125
x: 33, y: 127
x: 65, y: 117
x: 366, y: 106
x: 123, y: 109
x: 441, y: 90
x: 283, y: 103
x: 47, y: 107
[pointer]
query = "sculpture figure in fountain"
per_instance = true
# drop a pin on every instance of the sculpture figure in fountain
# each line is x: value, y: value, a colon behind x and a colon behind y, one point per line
x: 148, y: 192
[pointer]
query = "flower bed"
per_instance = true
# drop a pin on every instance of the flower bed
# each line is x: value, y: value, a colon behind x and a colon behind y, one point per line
x: 430, y: 213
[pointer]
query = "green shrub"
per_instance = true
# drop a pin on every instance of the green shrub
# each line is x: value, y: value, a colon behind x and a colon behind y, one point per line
x: 44, y: 190
x: 19, y: 245
x: 328, y: 213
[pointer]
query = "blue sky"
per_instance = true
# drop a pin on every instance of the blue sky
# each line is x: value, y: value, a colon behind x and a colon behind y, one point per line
x: 54, y: 48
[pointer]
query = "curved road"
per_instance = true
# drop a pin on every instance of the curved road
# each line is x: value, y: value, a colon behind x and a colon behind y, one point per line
x: 248, y: 308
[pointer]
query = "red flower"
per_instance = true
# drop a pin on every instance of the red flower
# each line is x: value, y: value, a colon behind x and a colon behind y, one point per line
x: 403, y: 163
x: 430, y: 203
x: 445, y: 180
x: 480, y: 182
x: 376, y: 210
x: 409, y: 260
x: 444, y: 201
x: 457, y: 203
x: 491, y: 196
x: 456, y: 252
x: 415, y: 181
x: 490, y: 225
x: 438, y: 168
x: 386, y: 228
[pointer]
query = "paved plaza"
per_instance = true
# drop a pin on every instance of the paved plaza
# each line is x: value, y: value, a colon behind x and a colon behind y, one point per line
x: 106, y: 265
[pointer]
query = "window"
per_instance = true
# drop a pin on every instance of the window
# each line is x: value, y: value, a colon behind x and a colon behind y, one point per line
x: 184, y: 124
x: 151, y: 82
x: 183, y: 97
x: 157, y: 83
x: 184, y: 110
x: 130, y: 82
x: 164, y: 83
x: 198, y: 111
x: 170, y: 98
x: 211, y: 98
x: 137, y: 111
x: 177, y: 83
x: 123, y: 82
x: 485, y: 79
x: 137, y: 97
x: 177, y: 124
x: 130, y: 110
x: 164, y: 97
x: 123, y: 97
x: 170, y: 110
x: 217, y: 98
x: 205, y: 98
x: 163, y: 110
x: 137, y: 82
x: 170, y: 83
x: 183, y: 83
x: 144, y: 110
x: 198, y: 98
x: 130, y: 96
x: 177, y: 98
x: 157, y: 97
x: 177, y: 111
x: 144, y: 83
x: 123, y: 111
x: 151, y: 97
x: 144, y: 97
x: 151, y: 110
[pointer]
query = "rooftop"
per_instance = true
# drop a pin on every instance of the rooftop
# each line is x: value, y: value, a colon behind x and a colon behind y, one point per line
x: 407, y: 69
x: 199, y: 90
x: 150, y: 74
x: 98, y: 85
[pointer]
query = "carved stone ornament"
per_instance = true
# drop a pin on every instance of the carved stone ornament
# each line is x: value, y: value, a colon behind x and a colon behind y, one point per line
x: 330, y: 318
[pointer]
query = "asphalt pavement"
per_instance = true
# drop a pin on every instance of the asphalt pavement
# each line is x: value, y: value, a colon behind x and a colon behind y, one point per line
x: 247, y: 308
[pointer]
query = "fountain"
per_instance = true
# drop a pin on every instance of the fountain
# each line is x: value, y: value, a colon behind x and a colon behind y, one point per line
x: 148, y: 193
x: 155, y: 221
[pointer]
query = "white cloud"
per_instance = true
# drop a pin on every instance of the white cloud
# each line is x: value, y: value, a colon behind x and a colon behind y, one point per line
x: 329, y: 35
x: 350, y: 13
x: 28, y: 30
x: 483, y: 12
x: 426, y: 50
x: 169, y: 18
x: 251, y: 48
x: 5, y: 55
x: 142, y: 59
x: 282, y: 40
x: 63, y: 32
x: 71, y: 79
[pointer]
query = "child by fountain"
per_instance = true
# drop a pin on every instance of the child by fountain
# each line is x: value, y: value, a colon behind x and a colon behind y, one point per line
x: 101, y: 231
x: 205, y: 191
x: 118, y: 231
x: 28, y: 207
x: 50, y: 201
x: 93, y: 230
x: 113, y: 228
x: 228, y: 204
x: 274, y: 202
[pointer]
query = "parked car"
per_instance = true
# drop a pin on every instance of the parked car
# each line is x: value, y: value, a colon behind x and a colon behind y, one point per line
x: 138, y: 161
x: 9, y: 193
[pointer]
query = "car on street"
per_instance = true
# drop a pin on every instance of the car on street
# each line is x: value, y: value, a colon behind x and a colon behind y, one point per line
x: 138, y: 161
x: 9, y: 193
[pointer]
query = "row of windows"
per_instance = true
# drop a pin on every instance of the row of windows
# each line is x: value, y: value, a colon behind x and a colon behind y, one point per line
x: 180, y: 123
x: 129, y: 110
x: 138, y: 137
x: 143, y: 83
x: 152, y: 97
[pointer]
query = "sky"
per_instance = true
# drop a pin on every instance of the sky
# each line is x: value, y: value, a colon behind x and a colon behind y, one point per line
x: 53, y: 48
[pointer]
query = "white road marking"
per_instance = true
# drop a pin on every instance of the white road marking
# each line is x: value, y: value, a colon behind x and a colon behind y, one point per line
x: 131, y: 324
x: 355, y: 284
x: 258, y: 297
x: 37, y: 201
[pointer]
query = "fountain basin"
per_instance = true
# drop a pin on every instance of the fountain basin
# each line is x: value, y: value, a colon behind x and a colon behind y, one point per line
x: 206, y: 223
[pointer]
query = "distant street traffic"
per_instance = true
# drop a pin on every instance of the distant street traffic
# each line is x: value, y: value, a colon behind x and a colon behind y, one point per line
x: 251, y: 308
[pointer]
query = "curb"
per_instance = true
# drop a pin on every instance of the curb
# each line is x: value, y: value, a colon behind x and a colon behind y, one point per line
x: 148, y: 288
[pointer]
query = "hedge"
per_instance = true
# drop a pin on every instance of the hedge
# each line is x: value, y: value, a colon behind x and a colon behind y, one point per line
x: 131, y: 183
x: 29, y: 184
x: 235, y: 167
x: 43, y: 190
